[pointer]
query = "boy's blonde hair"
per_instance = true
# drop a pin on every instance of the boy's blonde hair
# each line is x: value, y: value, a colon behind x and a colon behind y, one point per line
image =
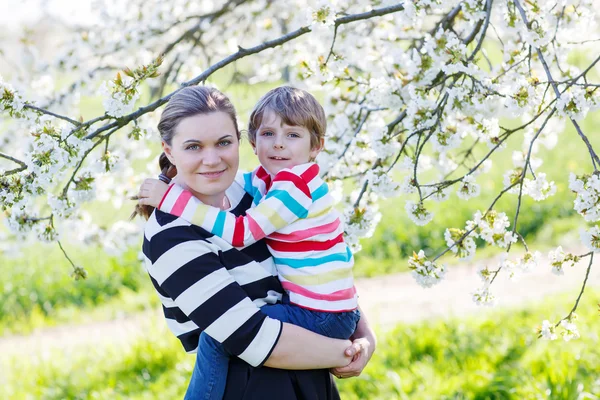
x: 295, y: 107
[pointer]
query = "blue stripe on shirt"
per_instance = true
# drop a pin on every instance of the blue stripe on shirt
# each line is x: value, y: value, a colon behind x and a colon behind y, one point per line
x: 289, y: 202
x: 312, y: 262
x: 219, y: 224
x: 320, y: 192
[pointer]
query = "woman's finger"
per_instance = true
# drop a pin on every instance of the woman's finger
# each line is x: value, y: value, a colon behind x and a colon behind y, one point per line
x: 358, y: 345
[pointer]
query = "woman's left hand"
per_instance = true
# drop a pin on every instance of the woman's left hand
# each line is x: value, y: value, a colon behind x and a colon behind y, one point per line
x: 361, y: 352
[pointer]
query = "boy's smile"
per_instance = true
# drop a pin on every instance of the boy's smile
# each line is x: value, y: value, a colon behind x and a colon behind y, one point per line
x: 281, y: 146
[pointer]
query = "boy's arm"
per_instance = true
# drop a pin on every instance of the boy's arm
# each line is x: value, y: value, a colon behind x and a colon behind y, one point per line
x: 287, y: 200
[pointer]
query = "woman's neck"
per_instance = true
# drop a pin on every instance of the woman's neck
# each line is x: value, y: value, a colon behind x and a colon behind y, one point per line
x: 216, y: 200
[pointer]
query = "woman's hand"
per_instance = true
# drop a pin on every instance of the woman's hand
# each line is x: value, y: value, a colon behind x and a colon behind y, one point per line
x: 152, y: 192
x: 361, y: 350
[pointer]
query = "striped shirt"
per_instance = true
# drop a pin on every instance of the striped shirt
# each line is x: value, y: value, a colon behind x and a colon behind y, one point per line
x: 205, y: 284
x: 304, y: 232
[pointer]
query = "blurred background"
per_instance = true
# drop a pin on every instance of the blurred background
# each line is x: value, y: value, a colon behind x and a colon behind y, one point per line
x: 105, y: 338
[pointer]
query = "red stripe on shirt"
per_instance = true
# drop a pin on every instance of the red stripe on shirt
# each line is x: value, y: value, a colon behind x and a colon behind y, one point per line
x: 343, y: 294
x: 307, y: 233
x: 238, y: 232
x: 306, y: 245
x: 180, y: 203
x: 165, y: 196
x: 310, y: 173
x: 255, y: 228
x: 264, y: 176
x: 287, y: 176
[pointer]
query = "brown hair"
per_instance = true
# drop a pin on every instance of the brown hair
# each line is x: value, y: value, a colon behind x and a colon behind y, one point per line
x: 187, y: 102
x: 296, y: 107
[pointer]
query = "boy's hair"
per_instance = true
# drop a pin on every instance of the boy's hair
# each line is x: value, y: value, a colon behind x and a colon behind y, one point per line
x: 295, y: 107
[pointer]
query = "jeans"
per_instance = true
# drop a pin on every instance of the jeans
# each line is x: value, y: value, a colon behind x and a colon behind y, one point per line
x: 212, y: 360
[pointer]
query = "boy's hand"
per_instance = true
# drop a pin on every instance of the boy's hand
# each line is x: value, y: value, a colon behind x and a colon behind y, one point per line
x: 152, y: 192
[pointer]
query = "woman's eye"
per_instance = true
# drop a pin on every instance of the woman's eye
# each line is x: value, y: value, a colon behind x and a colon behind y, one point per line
x: 224, y: 143
x: 192, y: 147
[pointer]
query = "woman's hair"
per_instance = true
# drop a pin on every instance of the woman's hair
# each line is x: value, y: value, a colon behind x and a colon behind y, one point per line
x: 296, y: 107
x: 188, y: 102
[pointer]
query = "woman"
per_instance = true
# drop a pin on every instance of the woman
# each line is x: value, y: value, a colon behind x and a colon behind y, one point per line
x: 206, y: 285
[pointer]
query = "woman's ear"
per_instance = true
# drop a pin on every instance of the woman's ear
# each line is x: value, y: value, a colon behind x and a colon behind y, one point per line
x: 167, y: 150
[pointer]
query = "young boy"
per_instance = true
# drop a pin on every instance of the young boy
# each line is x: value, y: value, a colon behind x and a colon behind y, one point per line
x: 294, y: 211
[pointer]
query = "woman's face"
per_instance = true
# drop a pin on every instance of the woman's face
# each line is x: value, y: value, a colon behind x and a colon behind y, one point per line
x: 205, y: 150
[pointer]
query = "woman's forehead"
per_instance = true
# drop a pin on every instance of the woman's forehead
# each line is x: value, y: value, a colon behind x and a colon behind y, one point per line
x: 205, y: 127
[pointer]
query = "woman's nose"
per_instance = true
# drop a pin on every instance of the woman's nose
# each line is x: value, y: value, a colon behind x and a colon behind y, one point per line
x: 211, y: 158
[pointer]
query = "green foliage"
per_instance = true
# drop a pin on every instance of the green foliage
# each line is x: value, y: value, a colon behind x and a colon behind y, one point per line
x: 491, y: 356
x: 36, y: 289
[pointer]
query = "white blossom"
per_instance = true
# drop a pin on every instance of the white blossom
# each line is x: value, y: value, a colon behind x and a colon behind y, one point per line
x: 484, y: 297
x: 427, y: 273
x: 570, y: 330
x: 591, y: 238
x: 468, y: 188
x: 418, y: 213
x: 547, y: 331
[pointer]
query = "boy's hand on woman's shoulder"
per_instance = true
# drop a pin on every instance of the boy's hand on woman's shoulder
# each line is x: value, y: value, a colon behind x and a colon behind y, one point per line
x: 151, y: 192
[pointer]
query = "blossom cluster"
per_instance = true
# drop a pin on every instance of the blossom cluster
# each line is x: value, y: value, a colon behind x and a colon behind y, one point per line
x: 427, y: 273
x: 566, y: 328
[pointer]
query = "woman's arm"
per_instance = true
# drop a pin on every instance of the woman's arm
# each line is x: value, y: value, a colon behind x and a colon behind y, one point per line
x: 299, y: 348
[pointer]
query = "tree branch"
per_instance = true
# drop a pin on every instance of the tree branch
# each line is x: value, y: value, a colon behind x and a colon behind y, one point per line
x: 241, y: 53
x: 44, y: 111
x: 594, y: 156
x: 23, y: 166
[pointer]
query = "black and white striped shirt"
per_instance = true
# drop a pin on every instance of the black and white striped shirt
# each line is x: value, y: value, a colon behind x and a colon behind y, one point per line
x: 205, y: 284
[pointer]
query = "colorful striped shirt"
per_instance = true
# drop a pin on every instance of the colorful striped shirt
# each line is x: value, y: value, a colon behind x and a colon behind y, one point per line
x: 304, y: 232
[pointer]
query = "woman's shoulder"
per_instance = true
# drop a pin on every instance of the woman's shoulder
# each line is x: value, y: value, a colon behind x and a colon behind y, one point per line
x: 164, y: 231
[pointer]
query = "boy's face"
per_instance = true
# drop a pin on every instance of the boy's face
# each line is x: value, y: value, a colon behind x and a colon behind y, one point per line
x: 280, y: 146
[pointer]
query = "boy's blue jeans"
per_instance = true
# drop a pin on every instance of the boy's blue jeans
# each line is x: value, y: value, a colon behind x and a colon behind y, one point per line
x: 212, y: 361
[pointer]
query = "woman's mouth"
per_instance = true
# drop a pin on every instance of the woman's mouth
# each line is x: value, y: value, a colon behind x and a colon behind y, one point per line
x: 212, y: 174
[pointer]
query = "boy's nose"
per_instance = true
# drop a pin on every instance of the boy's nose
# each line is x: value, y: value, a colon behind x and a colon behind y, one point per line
x: 278, y: 146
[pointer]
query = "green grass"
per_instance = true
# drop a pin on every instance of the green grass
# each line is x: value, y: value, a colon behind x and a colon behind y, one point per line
x: 496, y: 356
x: 36, y: 290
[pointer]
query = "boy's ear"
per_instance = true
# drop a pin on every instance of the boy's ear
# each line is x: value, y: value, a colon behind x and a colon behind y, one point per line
x: 167, y: 150
x: 316, y: 150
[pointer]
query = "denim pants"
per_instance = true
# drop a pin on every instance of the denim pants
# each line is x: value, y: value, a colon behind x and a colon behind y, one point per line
x: 212, y: 360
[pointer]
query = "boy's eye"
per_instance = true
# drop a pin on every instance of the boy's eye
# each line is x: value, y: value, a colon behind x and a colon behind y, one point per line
x: 267, y: 133
x: 294, y: 135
